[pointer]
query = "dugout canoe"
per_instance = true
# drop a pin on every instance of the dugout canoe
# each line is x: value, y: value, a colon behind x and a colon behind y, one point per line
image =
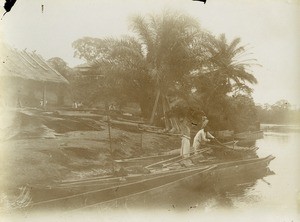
x: 233, y: 146
x: 249, y: 136
x: 102, y: 192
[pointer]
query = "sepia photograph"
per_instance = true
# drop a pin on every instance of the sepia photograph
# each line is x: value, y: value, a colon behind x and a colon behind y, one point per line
x: 173, y: 110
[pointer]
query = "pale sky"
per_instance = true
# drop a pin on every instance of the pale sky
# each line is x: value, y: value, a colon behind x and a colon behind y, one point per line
x: 270, y: 27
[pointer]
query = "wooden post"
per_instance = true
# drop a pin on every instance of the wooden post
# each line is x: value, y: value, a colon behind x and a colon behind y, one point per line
x: 110, y: 145
x: 19, y: 105
x: 109, y: 134
x: 141, y: 140
x: 44, y: 95
x: 141, y: 130
x: 155, y: 106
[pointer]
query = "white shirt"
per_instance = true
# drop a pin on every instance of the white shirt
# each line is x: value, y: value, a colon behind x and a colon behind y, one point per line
x: 201, y: 137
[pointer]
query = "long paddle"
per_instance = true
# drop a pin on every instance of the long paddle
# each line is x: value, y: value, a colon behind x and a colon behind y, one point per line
x: 221, y: 144
x: 235, y: 149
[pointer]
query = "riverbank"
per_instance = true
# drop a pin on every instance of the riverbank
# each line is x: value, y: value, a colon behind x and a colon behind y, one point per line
x: 284, y: 128
x: 41, y: 148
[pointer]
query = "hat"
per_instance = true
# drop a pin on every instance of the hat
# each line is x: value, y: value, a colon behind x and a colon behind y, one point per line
x: 204, y: 123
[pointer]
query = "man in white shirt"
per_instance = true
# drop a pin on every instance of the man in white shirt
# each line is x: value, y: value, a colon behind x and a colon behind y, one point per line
x: 185, y: 137
x: 201, y: 137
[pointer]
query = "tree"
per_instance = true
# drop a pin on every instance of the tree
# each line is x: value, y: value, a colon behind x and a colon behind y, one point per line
x: 223, y: 73
x: 280, y: 112
x: 240, y: 113
x: 124, y: 78
x: 226, y: 67
x: 147, y: 65
x: 89, y: 49
x: 167, y: 43
x: 170, y: 60
x: 60, y: 65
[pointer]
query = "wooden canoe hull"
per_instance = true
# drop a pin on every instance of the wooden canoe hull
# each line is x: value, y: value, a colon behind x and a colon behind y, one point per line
x: 115, y: 189
x: 220, y: 177
x: 105, y: 192
x: 249, y: 136
x: 224, y: 134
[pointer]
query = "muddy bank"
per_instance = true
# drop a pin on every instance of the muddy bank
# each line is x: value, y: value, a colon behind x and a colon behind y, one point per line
x: 39, y: 148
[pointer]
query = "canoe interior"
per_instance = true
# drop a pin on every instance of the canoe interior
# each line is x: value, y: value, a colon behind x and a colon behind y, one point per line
x: 93, y: 192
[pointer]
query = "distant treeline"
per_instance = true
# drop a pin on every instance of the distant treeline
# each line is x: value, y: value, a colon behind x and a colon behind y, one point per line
x: 278, y: 113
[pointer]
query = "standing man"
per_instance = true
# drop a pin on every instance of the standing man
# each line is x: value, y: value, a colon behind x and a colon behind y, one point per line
x: 185, y: 137
x: 202, y: 136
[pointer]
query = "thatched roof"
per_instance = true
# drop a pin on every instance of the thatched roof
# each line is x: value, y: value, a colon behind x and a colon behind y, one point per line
x: 26, y: 65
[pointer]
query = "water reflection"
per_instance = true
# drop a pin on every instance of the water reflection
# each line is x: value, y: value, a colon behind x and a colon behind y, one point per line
x: 267, y: 192
x: 224, y: 192
x: 279, y: 191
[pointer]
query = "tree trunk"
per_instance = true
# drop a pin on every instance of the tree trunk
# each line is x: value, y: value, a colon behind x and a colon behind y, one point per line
x: 168, y: 123
x: 155, y: 107
x: 173, y: 120
x: 145, y: 109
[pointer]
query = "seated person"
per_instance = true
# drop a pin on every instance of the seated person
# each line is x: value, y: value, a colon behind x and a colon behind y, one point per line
x: 202, y: 137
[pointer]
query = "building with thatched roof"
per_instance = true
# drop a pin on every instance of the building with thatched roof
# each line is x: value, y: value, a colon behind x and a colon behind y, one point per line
x: 26, y: 79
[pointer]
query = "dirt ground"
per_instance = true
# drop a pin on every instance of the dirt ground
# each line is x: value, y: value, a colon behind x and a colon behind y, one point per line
x: 40, y: 148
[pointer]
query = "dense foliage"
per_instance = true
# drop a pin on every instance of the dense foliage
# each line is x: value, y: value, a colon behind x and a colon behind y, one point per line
x: 170, y: 63
x: 279, y: 113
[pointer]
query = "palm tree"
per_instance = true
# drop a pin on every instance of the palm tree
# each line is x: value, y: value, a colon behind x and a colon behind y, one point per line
x: 147, y: 66
x: 227, y: 65
x: 167, y: 42
x: 161, y: 60
x: 225, y: 72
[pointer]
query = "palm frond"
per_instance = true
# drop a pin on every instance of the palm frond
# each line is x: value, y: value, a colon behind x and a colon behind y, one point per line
x: 141, y: 27
x: 232, y: 46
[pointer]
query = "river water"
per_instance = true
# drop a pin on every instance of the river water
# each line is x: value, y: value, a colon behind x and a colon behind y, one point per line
x: 278, y: 193
x: 275, y: 195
